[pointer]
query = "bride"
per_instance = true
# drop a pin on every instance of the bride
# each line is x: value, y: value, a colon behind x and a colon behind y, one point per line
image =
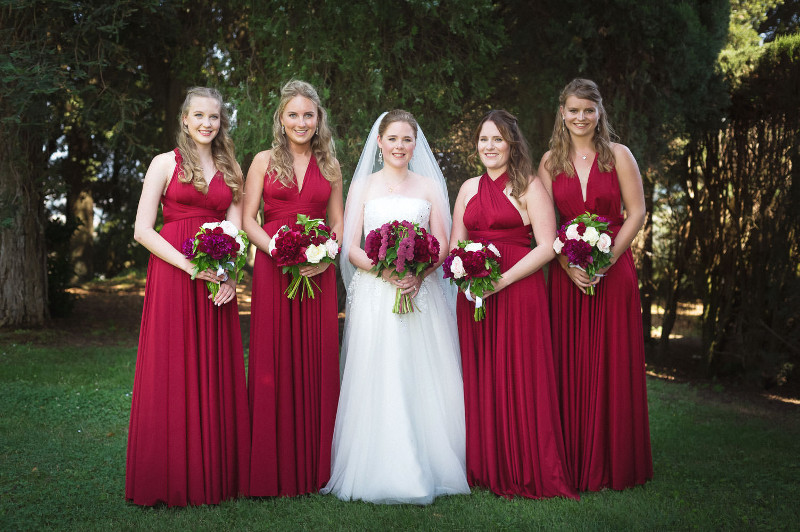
x: 399, y: 435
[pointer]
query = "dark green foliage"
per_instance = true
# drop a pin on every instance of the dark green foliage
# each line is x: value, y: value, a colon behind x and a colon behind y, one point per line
x: 653, y: 62
x: 435, y: 59
x: 784, y: 19
x: 743, y: 181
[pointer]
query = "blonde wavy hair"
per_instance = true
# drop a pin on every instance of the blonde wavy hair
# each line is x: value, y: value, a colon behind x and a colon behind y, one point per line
x: 559, y: 161
x: 222, y: 148
x: 281, y: 162
x: 520, y: 167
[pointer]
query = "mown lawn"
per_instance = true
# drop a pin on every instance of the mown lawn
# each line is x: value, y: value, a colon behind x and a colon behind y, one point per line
x: 719, y: 464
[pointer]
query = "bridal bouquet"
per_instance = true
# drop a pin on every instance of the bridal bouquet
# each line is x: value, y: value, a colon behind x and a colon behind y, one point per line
x: 474, y: 267
x: 401, y: 247
x: 306, y: 242
x: 586, y: 243
x: 220, y: 246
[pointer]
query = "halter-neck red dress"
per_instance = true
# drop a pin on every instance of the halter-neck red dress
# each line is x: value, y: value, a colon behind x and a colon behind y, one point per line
x: 599, y: 350
x: 514, y: 444
x: 189, y: 437
x: 293, y: 375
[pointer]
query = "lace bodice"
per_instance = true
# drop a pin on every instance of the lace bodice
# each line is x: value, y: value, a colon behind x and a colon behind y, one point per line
x: 385, y: 209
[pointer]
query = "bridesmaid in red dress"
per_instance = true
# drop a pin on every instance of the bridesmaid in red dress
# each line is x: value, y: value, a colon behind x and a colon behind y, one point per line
x: 293, y: 376
x: 514, y: 442
x: 598, y: 339
x: 189, y: 437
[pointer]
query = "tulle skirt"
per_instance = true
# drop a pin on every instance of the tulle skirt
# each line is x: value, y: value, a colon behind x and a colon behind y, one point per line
x: 400, y: 433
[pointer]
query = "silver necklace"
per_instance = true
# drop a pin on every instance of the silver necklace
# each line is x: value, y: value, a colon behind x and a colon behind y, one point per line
x: 393, y: 186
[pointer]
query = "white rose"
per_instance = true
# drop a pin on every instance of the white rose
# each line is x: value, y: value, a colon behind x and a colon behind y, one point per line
x: 314, y: 254
x: 457, y: 268
x: 229, y: 228
x: 474, y: 246
x: 591, y: 235
x: 493, y: 249
x: 332, y: 247
x: 239, y: 241
x: 558, y: 245
x: 572, y: 232
x: 210, y: 225
x: 604, y: 243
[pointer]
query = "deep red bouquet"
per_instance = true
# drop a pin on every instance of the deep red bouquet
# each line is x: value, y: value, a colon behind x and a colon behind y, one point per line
x: 586, y: 243
x: 402, y: 247
x: 217, y: 245
x: 474, y: 267
x: 306, y: 242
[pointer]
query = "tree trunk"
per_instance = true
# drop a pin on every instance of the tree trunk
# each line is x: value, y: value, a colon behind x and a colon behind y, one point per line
x: 23, y: 258
x: 80, y: 205
x: 82, y: 241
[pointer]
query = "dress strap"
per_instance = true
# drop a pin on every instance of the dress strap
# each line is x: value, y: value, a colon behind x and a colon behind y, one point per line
x: 500, y: 182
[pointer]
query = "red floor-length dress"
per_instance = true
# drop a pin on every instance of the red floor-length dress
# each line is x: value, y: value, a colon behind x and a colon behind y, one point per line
x: 189, y: 437
x: 514, y: 444
x: 293, y: 373
x: 599, y: 350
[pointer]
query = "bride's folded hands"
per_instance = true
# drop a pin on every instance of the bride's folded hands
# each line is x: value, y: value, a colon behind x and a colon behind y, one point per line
x: 408, y: 285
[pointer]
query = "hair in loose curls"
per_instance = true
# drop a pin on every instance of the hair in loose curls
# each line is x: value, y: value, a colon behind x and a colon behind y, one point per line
x: 282, y: 161
x: 222, y: 149
x: 560, y: 142
x: 520, y: 166
x: 398, y: 115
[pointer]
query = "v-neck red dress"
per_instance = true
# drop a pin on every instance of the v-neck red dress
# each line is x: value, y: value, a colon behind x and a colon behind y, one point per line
x: 189, y: 437
x: 599, y: 350
x: 293, y: 374
x: 514, y: 439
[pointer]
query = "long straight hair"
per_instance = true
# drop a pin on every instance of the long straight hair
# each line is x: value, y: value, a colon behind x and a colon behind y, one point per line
x: 282, y: 161
x: 222, y: 149
x: 560, y: 141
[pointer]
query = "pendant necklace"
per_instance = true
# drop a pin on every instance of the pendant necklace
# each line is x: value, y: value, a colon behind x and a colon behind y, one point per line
x: 392, y: 187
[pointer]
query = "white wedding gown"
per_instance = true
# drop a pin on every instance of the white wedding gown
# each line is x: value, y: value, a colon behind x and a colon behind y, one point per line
x: 400, y: 435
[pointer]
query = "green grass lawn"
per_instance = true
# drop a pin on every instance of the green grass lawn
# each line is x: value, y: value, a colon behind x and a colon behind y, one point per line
x: 719, y: 464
